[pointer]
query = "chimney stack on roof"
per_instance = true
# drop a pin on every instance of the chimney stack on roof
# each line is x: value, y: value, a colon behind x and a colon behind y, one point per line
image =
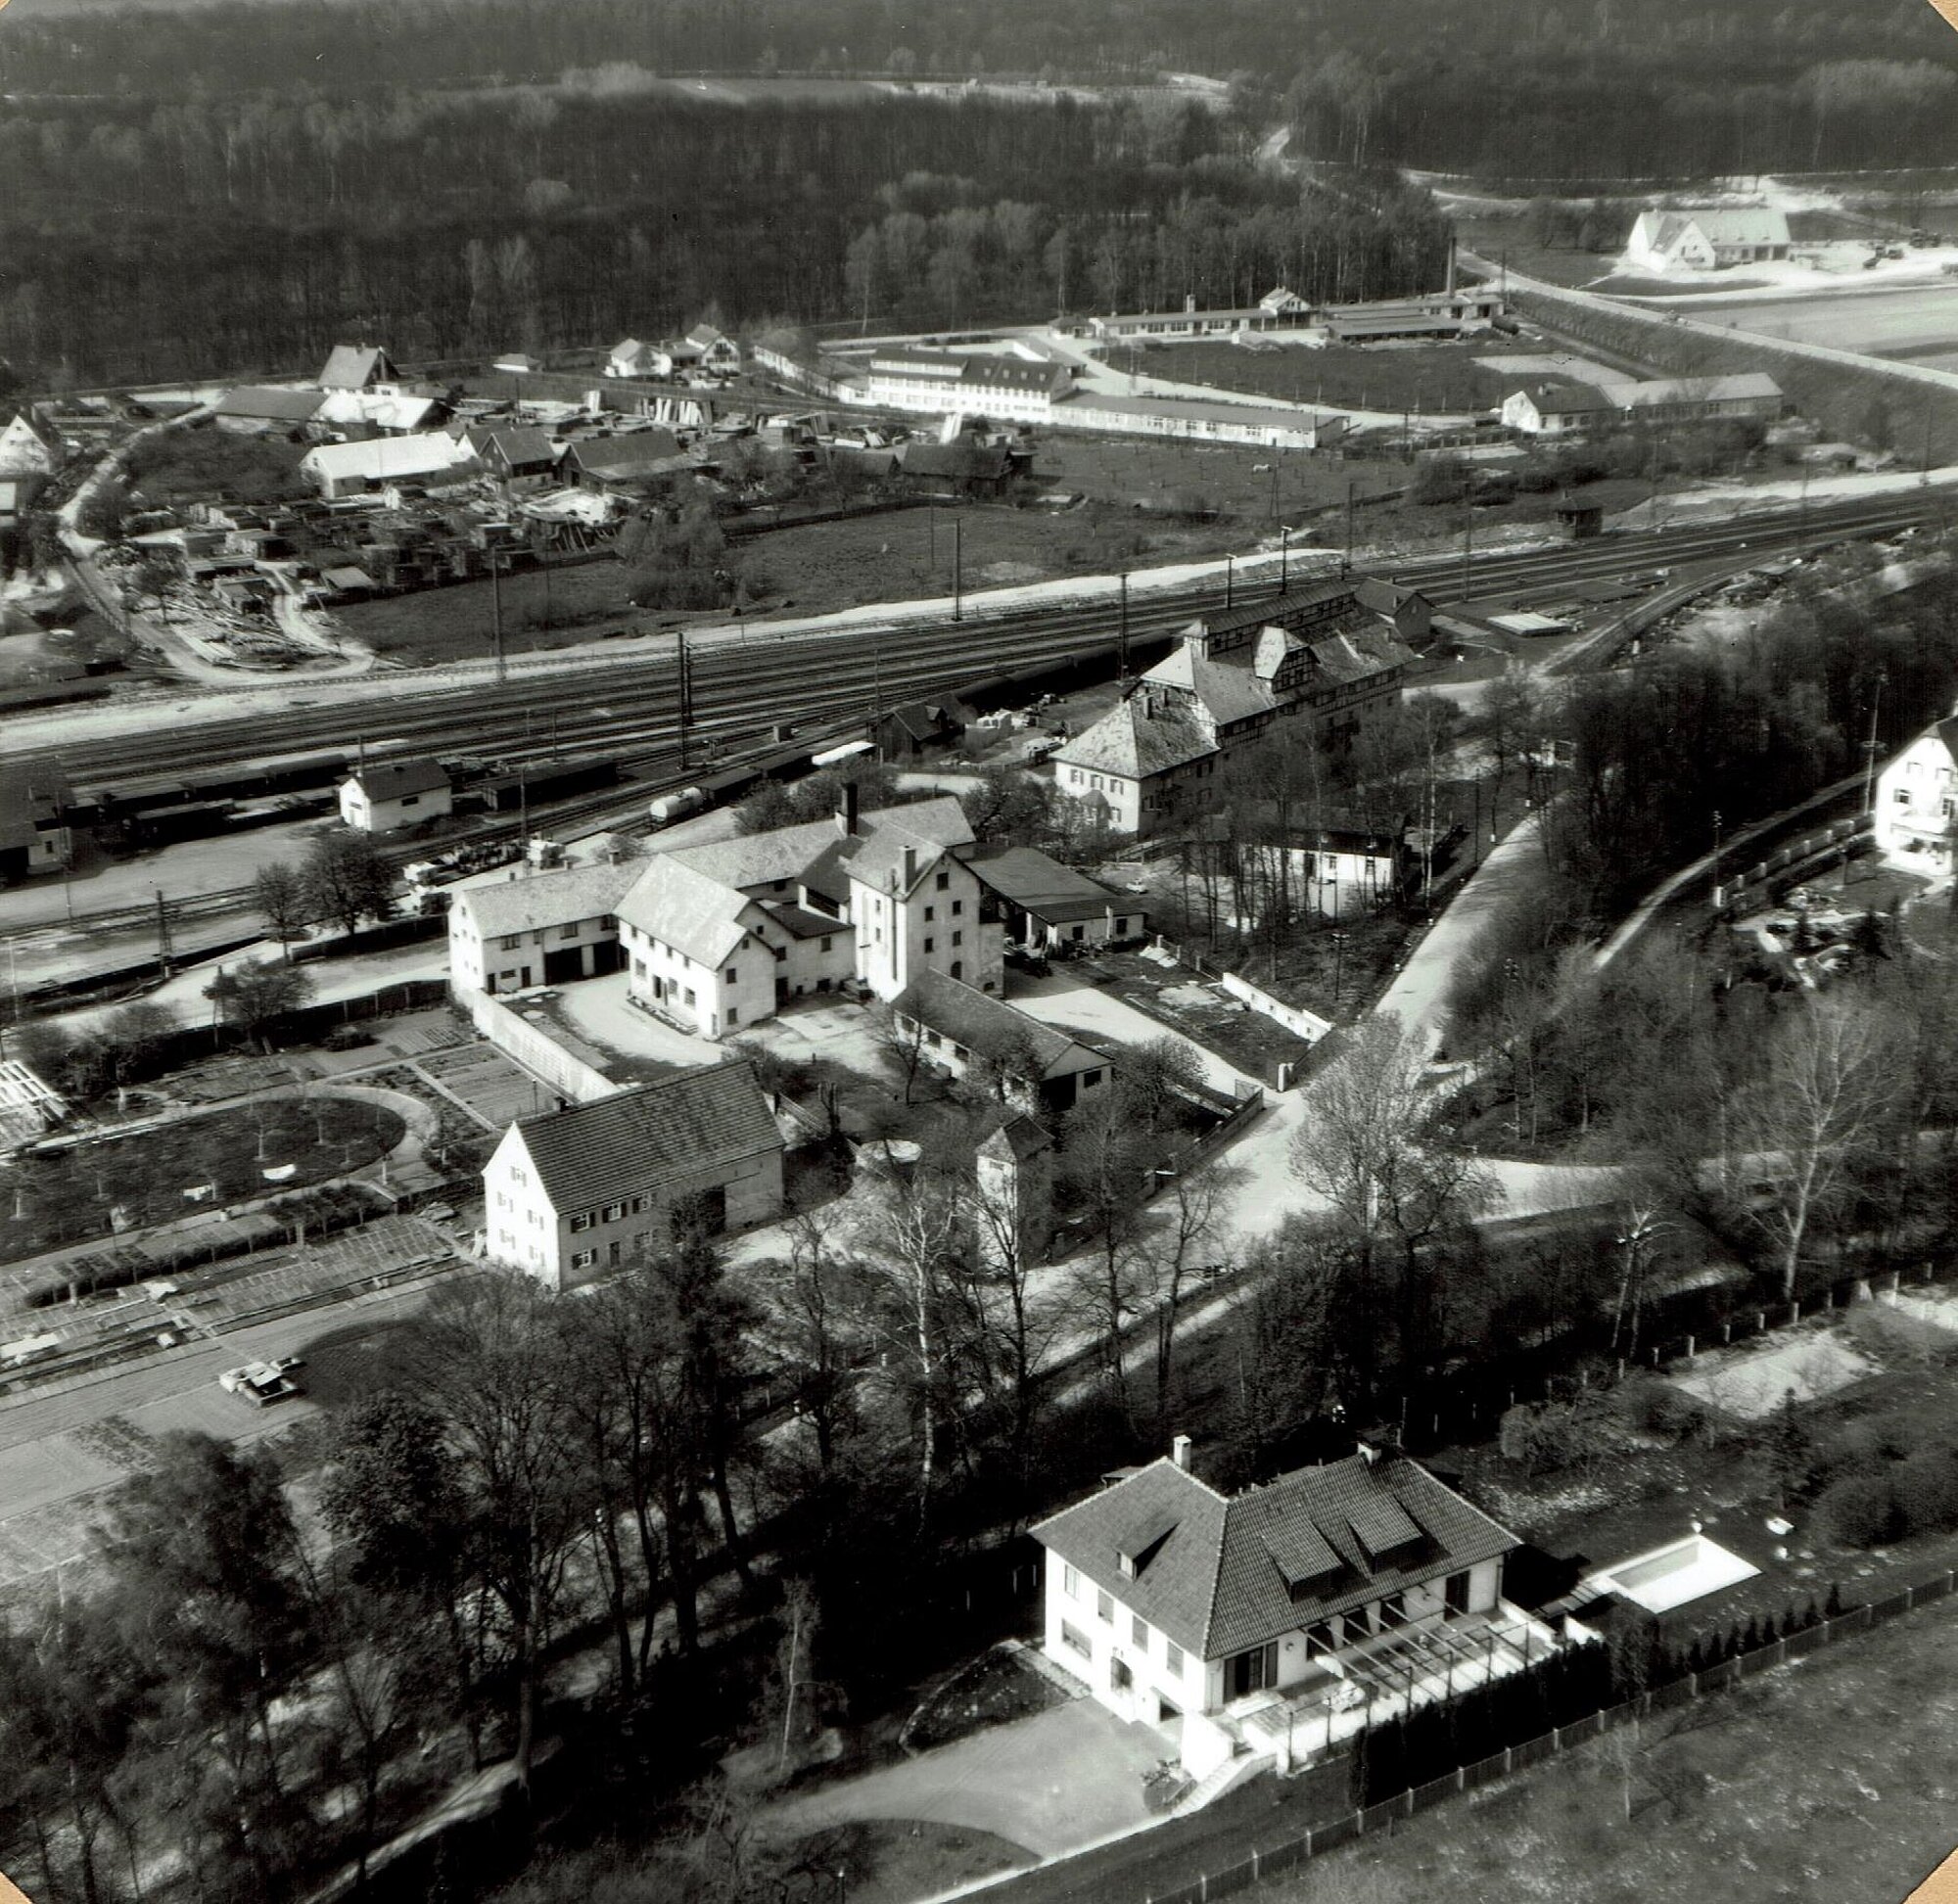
x: 1178, y: 1452
x: 846, y: 810
x: 910, y: 867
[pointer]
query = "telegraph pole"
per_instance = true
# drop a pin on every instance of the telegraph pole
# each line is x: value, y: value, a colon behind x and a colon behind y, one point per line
x: 1122, y: 634
x: 165, y: 952
x: 957, y: 570
x: 685, y: 684
x: 1285, y: 560
x: 1229, y: 580
x: 1346, y: 559
x: 1467, y: 552
x: 1717, y: 858
x: 497, y: 614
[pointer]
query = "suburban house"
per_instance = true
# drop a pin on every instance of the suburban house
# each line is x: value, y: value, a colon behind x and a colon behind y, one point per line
x: 1042, y: 1071
x: 1320, y: 652
x: 712, y: 349
x: 265, y: 410
x: 1265, y: 1625
x: 545, y: 928
x: 1332, y: 870
x: 1049, y: 908
x: 1917, y: 801
x: 944, y: 384
x: 357, y: 367
x: 1555, y: 408
x: 909, y: 732
x: 34, y: 832
x: 631, y: 358
x: 569, y: 1194
x: 344, y: 469
x: 1706, y: 238
x: 29, y: 446
x: 388, y: 796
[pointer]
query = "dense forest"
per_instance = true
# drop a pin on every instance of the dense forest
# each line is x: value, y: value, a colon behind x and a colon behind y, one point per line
x: 245, y: 233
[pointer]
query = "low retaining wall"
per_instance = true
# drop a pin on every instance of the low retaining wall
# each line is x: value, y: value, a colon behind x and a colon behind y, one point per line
x: 1301, y: 1023
x: 533, y: 1048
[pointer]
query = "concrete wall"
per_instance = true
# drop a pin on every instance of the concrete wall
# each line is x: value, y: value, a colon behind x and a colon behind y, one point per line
x: 1295, y: 1018
x: 533, y: 1046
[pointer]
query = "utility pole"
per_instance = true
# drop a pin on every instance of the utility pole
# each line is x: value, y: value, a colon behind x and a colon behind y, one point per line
x: 1346, y: 559
x: 1229, y: 580
x: 497, y: 614
x: 1717, y: 858
x: 1870, y: 753
x: 1275, y: 486
x: 686, y: 685
x: 1285, y: 560
x: 1122, y: 634
x: 957, y: 570
x: 165, y: 952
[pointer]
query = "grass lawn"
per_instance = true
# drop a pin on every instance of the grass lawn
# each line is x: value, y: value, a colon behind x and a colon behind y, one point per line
x: 1422, y: 377
x: 1232, y: 478
x: 897, y: 1861
x: 1829, y: 1778
x: 196, y: 464
x: 70, y: 1197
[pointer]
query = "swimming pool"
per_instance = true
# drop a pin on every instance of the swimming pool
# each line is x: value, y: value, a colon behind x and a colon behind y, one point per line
x: 1670, y: 1576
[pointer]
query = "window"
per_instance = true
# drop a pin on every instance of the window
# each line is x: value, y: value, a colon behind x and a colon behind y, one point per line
x: 1076, y: 1641
x: 567, y: 931
x: 958, y: 969
x: 689, y: 995
x: 825, y: 945
x: 734, y: 1016
x: 734, y: 975
x: 944, y: 880
x: 958, y: 938
x: 639, y: 1206
x: 958, y: 907
x: 584, y: 1259
x: 1252, y: 1672
x: 607, y: 923
x: 1173, y: 1658
x: 582, y: 1221
x: 614, y: 1210
x: 1078, y: 934
x: 1070, y: 1581
x: 1104, y: 1608
x: 1089, y: 1078
x: 413, y: 799
x: 1120, y: 1678
x: 1140, y: 1632
x: 928, y: 913
x: 513, y: 943
x: 929, y: 942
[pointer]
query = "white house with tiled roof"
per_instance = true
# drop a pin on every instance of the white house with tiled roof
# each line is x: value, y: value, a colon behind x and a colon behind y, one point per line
x: 1269, y: 1623
x: 573, y: 1193
x: 510, y: 932
x: 1327, y: 651
x: 1917, y: 801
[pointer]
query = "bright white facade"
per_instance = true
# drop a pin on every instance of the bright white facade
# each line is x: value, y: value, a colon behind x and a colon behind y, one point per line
x: 1917, y: 802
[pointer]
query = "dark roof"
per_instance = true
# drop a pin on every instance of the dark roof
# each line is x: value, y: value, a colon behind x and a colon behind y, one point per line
x: 1026, y: 877
x: 624, y: 455
x: 520, y: 449
x: 274, y: 405
x: 690, y: 1124
x: 393, y: 780
x: 1228, y: 1574
x: 801, y: 923
x: 928, y: 719
x: 32, y: 801
x: 989, y: 1025
x: 1020, y: 1137
x: 965, y: 462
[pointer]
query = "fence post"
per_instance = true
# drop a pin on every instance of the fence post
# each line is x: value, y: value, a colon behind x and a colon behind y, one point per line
x: 1460, y: 1778
x: 1556, y: 1739
x: 1507, y: 1761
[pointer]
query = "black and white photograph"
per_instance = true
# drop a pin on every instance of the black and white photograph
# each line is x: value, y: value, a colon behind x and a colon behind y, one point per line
x: 978, y: 949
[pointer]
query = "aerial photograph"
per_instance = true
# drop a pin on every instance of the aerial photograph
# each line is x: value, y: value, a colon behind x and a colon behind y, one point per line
x: 986, y: 949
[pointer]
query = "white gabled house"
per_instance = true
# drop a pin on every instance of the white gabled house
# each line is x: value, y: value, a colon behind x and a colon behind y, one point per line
x: 389, y: 796
x: 545, y: 928
x: 1917, y: 801
x: 1706, y: 238
x: 571, y: 1194
x: 1269, y: 1624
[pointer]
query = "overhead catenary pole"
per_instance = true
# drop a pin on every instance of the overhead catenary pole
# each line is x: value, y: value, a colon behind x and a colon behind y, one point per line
x: 1229, y: 580
x: 1285, y: 560
x: 497, y: 615
x: 957, y: 570
x: 1346, y: 558
x: 685, y: 686
x: 1121, y: 632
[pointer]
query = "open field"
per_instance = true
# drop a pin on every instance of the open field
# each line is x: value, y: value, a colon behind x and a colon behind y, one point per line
x: 1825, y: 1779
x: 1919, y: 324
x: 1424, y: 378
x: 1235, y: 479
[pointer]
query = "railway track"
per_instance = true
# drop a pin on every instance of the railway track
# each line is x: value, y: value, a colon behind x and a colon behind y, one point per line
x: 751, y: 674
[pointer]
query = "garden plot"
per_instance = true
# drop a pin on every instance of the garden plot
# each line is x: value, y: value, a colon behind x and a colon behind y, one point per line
x: 1752, y: 1382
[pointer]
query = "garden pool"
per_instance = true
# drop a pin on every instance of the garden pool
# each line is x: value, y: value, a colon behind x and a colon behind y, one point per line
x: 1670, y: 1576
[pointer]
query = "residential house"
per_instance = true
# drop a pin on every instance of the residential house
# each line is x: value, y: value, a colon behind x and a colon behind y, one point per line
x: 35, y: 836
x: 631, y: 358
x: 519, y: 455
x: 357, y: 367
x: 1319, y: 652
x: 389, y: 796
x: 29, y: 445
x: 1331, y: 870
x: 510, y: 932
x: 265, y: 410
x: 1268, y: 1624
x: 1407, y: 611
x: 625, y: 461
x: 909, y: 732
x: 1041, y: 1071
x: 571, y: 1194
x: 712, y: 351
x: 1049, y: 908
x: 344, y: 469
x: 960, y: 467
x: 1551, y: 409
x: 1917, y: 801
x: 1556, y: 408
x: 1706, y: 238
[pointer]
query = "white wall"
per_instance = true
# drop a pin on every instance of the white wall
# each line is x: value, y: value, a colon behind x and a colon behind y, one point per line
x: 1915, y: 798
x: 1148, y: 1660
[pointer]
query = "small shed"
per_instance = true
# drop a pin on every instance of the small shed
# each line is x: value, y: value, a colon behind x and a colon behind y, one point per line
x: 387, y: 797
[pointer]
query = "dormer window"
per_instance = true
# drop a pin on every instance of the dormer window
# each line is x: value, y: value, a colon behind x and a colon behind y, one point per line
x: 1141, y: 1546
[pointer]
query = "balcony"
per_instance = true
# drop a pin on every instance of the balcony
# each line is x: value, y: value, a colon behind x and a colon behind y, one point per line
x: 1400, y: 1670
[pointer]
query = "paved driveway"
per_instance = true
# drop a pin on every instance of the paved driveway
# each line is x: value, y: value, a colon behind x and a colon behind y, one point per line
x: 1064, y: 1778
